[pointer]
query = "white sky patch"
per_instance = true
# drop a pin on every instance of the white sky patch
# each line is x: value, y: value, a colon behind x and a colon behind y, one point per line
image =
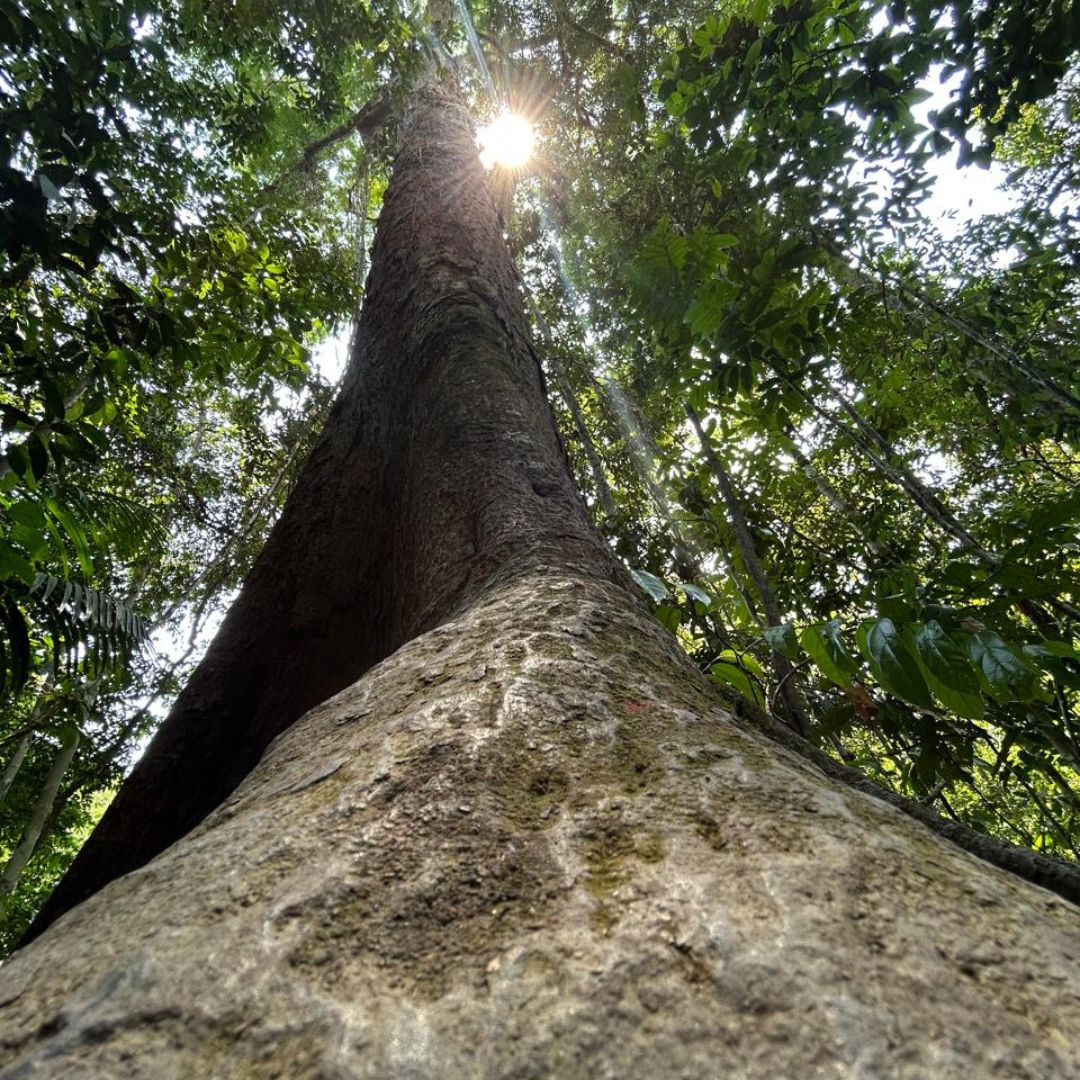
x: 330, y: 356
x: 960, y: 195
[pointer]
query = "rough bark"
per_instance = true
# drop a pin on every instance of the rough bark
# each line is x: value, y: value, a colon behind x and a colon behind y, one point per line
x: 439, y: 474
x: 531, y: 844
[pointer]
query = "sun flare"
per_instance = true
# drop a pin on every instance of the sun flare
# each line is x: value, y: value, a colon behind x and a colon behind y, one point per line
x: 507, y: 141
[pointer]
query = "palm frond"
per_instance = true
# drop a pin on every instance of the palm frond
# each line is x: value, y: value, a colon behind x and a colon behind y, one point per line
x: 80, y: 628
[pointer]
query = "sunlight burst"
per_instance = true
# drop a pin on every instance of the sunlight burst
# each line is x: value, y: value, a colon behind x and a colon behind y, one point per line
x: 507, y: 141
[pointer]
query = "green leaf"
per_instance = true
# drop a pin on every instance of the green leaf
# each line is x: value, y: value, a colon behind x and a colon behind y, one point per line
x: 1007, y: 676
x: 14, y: 564
x: 948, y: 671
x: 39, y: 456
x: 730, y: 673
x: 782, y: 639
x: 656, y: 589
x: 28, y: 513
x: 19, y: 460
x: 825, y: 645
x: 1057, y: 664
x: 1059, y: 648
x: 698, y: 399
x: 49, y: 189
x: 74, y: 533
x: 116, y: 361
x: 695, y: 592
x: 1062, y: 511
x: 706, y: 314
x: 892, y: 663
x: 670, y: 616
x: 742, y: 659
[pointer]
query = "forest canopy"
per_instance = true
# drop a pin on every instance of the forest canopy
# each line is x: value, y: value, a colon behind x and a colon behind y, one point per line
x: 833, y: 438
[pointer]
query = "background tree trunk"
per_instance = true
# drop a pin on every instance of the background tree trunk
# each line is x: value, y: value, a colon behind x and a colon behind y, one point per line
x: 42, y: 808
x: 787, y: 682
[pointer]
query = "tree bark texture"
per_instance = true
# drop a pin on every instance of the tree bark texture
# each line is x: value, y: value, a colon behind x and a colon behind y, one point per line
x: 439, y: 475
x: 532, y: 843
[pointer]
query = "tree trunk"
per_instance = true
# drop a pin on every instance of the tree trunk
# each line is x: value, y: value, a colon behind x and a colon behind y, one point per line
x: 530, y: 842
x: 14, y: 763
x: 439, y: 474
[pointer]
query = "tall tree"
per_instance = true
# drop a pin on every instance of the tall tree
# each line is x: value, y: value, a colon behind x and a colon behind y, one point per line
x: 530, y: 841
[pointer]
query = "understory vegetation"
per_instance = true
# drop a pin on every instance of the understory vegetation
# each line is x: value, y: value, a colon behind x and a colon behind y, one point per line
x: 833, y: 435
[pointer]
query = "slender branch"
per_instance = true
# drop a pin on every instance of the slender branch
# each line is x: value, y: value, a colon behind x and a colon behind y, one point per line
x: 11, y: 769
x: 364, y: 122
x: 46, y: 797
x: 794, y: 706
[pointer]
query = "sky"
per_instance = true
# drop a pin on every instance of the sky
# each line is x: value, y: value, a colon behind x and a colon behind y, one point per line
x: 959, y: 195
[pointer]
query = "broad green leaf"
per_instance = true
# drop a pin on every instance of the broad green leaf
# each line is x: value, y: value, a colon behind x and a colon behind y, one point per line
x: 14, y: 564
x: 742, y: 659
x: 892, y: 663
x: 39, y: 456
x: 1007, y: 676
x: 19, y: 460
x: 27, y: 512
x: 49, y: 189
x: 948, y: 670
x: 738, y: 678
x: 825, y: 645
x: 695, y: 592
x: 669, y: 616
x: 1062, y: 511
x: 116, y: 360
x: 1060, y: 648
x: 782, y: 639
x: 1056, y: 663
x: 698, y: 399
x: 656, y: 589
